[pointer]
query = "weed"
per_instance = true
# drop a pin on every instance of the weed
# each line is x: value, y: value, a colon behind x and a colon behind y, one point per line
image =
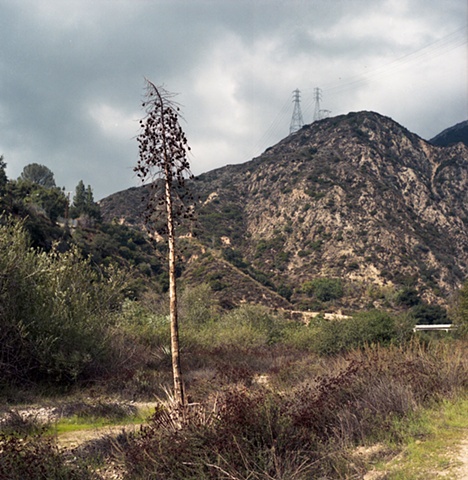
x: 29, y: 458
x: 14, y: 423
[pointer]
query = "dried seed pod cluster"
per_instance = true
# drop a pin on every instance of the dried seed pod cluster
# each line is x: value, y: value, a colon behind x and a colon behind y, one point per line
x: 163, y: 159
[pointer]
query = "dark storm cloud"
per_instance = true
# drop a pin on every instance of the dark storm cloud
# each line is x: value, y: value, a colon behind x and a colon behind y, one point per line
x: 71, y: 74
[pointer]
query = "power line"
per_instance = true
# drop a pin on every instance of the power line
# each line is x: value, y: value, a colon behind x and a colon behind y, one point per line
x: 275, y: 130
x: 432, y: 50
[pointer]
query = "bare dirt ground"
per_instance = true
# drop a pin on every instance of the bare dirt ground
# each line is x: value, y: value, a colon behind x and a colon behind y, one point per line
x: 462, y: 471
x: 81, y: 442
x: 72, y: 440
x: 458, y: 457
x: 76, y: 438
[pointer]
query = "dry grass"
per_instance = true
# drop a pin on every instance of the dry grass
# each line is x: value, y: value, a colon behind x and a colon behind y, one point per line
x: 306, y: 431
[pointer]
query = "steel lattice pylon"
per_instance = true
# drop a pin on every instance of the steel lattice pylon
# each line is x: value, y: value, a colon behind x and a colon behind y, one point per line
x: 297, y: 122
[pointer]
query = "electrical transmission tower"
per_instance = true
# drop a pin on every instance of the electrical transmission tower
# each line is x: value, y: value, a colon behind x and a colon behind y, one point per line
x: 318, y: 98
x: 297, y: 122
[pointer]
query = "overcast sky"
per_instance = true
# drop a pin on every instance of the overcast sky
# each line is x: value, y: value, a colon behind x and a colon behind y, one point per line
x: 72, y: 75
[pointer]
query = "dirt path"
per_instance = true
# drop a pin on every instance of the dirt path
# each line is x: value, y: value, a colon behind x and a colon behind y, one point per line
x: 462, y: 471
x: 77, y: 438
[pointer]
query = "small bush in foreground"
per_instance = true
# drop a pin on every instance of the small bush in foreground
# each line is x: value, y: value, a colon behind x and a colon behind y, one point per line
x: 13, y: 423
x: 32, y: 458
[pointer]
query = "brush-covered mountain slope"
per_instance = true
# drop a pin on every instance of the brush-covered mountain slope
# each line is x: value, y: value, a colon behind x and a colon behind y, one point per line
x: 452, y: 135
x: 348, y: 212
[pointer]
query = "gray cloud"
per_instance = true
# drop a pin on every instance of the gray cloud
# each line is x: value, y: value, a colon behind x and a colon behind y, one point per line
x: 71, y: 74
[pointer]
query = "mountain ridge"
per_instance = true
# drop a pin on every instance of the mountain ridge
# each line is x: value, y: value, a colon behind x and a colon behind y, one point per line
x: 454, y: 134
x: 356, y: 197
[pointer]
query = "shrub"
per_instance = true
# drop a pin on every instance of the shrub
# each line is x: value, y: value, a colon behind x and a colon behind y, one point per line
x: 305, y: 431
x: 244, y: 435
x: 197, y: 305
x: 461, y: 309
x: 36, y: 457
x: 300, y: 336
x: 235, y: 257
x: 373, y: 327
x: 14, y: 423
x: 143, y: 325
x: 408, y: 296
x: 429, y: 314
x: 259, y: 320
x: 324, y: 289
x: 55, y: 310
x: 285, y: 291
x: 241, y: 329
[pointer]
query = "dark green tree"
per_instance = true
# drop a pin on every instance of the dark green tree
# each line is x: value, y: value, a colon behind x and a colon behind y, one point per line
x: 89, y: 196
x: 324, y: 289
x: 79, y: 200
x: 163, y: 161
x: 408, y: 297
x: 3, y: 176
x: 461, y: 311
x: 425, y: 314
x: 53, y: 201
x: 83, y: 203
x: 30, y: 199
x: 39, y: 174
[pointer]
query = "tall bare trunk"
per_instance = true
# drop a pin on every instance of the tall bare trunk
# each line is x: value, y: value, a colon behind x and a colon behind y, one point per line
x: 163, y: 148
x: 175, y: 347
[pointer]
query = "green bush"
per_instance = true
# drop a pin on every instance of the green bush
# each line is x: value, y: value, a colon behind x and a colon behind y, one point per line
x: 147, y: 327
x: 246, y: 327
x: 301, y: 336
x: 55, y: 310
x: 285, y: 291
x: 264, y: 327
x: 408, y: 296
x: 197, y: 305
x: 324, y: 289
x: 429, y: 314
x: 373, y: 327
x: 235, y: 257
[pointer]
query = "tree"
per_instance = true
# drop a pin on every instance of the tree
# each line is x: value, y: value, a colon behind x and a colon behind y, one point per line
x: 163, y: 161
x: 425, y: 314
x: 461, y: 311
x: 324, y: 289
x: 79, y: 199
x: 408, y: 296
x: 52, y: 200
x: 4, y: 201
x: 3, y: 175
x: 39, y: 174
x: 83, y: 202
